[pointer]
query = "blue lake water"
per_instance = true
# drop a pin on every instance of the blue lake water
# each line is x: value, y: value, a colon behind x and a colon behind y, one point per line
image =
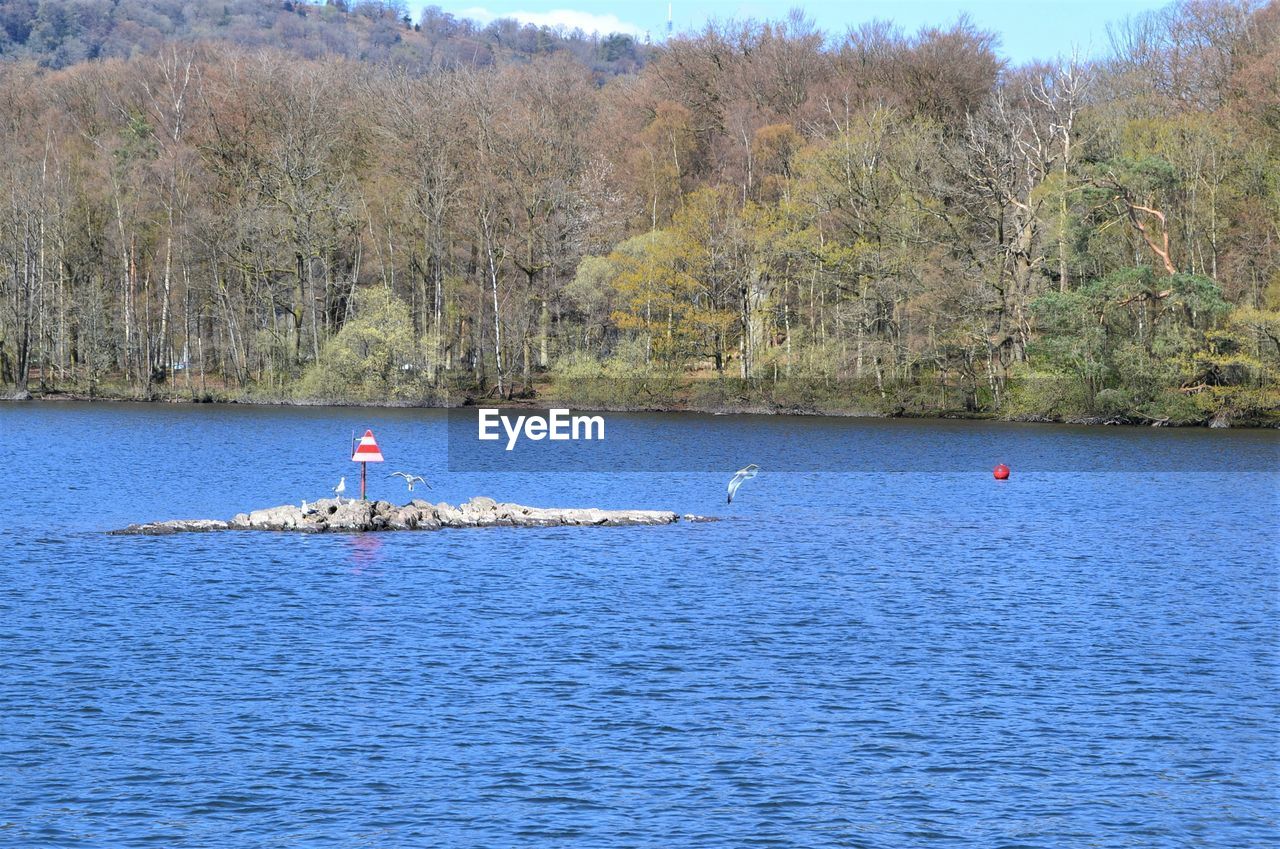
x: 1085, y: 655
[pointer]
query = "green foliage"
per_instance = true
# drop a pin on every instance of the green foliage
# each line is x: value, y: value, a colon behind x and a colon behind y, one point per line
x: 623, y: 380
x: 589, y: 290
x: 373, y: 357
x: 1072, y: 340
x: 1139, y: 345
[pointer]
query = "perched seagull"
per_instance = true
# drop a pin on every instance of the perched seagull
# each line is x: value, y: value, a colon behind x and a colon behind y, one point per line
x: 410, y: 479
x: 340, y: 488
x: 743, y: 474
x: 304, y: 505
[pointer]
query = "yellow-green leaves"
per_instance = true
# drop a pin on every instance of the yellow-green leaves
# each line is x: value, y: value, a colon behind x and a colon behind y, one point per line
x: 374, y: 356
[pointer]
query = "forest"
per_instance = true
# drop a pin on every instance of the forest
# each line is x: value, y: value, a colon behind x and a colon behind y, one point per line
x: 272, y: 202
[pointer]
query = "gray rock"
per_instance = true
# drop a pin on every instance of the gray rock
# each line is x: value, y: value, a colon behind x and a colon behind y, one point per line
x: 352, y: 516
x: 447, y: 514
x: 283, y: 518
x: 175, y: 526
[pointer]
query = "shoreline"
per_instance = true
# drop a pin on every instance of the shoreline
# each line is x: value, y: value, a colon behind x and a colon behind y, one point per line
x: 55, y: 397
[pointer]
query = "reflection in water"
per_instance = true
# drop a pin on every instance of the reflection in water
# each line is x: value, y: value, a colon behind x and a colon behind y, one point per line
x: 364, y: 551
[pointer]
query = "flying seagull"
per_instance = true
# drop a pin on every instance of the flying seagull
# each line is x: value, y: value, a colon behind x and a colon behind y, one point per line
x: 410, y: 479
x: 743, y: 474
x: 340, y: 488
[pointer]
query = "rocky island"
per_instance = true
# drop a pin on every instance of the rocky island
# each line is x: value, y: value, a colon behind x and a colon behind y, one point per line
x: 354, y: 516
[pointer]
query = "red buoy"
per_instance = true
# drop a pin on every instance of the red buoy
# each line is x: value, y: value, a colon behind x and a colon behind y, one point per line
x: 1001, y: 472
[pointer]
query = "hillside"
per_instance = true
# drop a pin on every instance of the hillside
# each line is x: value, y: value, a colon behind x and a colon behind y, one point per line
x: 60, y: 33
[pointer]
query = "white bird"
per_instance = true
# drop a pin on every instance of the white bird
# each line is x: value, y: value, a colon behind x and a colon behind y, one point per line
x: 742, y: 475
x: 304, y: 505
x: 410, y: 479
x: 340, y: 488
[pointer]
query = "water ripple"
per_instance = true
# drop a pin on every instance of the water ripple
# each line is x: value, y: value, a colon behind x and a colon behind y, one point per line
x: 1072, y: 660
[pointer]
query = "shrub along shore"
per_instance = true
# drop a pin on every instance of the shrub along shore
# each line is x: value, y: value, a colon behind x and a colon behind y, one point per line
x: 691, y: 396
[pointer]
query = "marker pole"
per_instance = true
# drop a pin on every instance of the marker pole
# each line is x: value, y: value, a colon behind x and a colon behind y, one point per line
x: 363, y: 468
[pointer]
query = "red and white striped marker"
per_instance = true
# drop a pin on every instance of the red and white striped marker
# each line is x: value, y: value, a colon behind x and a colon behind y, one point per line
x: 366, y: 452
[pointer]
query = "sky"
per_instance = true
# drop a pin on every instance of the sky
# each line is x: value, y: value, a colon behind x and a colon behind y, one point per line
x: 1030, y: 29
